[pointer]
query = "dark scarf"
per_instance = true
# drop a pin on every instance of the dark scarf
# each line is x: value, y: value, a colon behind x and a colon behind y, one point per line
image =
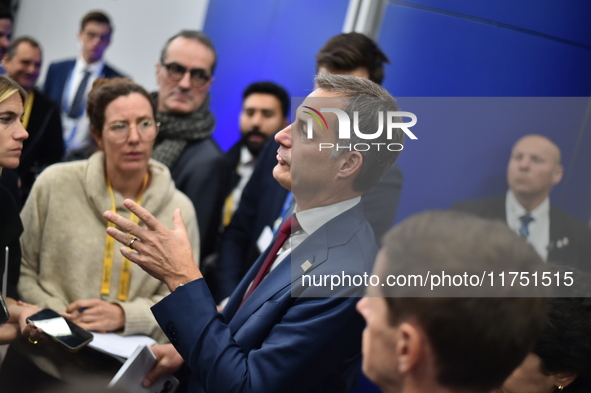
x: 178, y: 130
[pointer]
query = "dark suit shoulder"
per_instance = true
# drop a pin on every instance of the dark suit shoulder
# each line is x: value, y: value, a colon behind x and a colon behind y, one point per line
x: 200, y: 150
x: 487, y: 208
x: 110, y: 72
x: 570, y: 240
x: 562, y: 222
x: 233, y: 155
x: 43, y: 100
x: 57, y: 66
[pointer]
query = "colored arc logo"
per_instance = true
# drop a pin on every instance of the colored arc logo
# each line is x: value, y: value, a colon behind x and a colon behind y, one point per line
x: 316, y: 117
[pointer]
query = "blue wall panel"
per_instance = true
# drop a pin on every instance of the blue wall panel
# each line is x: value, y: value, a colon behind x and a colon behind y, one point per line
x: 265, y: 40
x: 440, y: 53
x: 461, y: 57
x: 438, y: 48
x: 561, y: 19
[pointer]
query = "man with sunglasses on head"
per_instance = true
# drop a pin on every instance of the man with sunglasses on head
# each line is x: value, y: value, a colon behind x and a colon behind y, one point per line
x: 198, y: 166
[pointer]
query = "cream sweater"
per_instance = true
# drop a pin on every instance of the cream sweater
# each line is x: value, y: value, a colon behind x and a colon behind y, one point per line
x: 64, y: 240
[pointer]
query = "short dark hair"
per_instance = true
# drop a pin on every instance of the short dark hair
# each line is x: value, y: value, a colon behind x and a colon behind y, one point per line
x: 368, y: 99
x: 348, y: 51
x: 477, y: 341
x: 192, y: 35
x: 13, y: 47
x: 565, y: 344
x: 5, y: 13
x: 269, y: 88
x: 103, y: 92
x: 95, y: 16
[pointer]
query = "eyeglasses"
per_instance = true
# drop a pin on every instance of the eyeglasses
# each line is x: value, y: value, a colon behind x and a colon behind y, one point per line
x: 119, y: 131
x: 176, y: 72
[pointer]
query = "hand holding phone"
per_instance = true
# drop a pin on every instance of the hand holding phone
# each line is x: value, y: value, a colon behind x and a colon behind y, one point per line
x: 61, y: 330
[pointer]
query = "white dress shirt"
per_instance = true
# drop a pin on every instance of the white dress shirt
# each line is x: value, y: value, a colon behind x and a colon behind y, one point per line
x: 310, y: 220
x: 76, y: 131
x: 244, y: 169
x: 539, y: 228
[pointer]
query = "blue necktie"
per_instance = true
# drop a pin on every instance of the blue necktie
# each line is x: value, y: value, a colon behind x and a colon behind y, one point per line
x: 525, y: 221
x: 77, y: 108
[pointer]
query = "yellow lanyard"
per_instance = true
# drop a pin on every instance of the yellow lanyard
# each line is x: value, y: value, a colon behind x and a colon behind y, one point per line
x: 28, y: 108
x: 110, y: 250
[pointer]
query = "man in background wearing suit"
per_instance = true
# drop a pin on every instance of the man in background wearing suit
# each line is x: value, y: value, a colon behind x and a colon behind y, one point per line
x: 272, y: 336
x: 265, y: 110
x: 68, y: 82
x: 185, y: 144
x: 533, y: 170
x: 45, y: 145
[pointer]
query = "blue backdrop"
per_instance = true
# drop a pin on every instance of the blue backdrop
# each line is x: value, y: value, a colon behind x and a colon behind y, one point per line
x: 437, y: 48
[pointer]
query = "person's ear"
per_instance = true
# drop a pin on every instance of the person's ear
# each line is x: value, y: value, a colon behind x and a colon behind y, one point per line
x: 209, y: 83
x: 350, y: 164
x: 565, y: 378
x: 557, y: 175
x: 158, y: 65
x: 409, y: 347
x: 98, y: 138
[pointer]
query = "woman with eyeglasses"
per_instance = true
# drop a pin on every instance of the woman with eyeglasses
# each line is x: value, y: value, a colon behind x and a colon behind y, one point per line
x: 69, y: 263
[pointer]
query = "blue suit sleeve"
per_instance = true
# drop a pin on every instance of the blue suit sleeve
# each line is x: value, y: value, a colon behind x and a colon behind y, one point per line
x: 304, y: 337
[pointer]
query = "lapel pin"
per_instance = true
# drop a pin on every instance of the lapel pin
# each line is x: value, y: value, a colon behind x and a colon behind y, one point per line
x: 306, y: 266
x: 562, y: 243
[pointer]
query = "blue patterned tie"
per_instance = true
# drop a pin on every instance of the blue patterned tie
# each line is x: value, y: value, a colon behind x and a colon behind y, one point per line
x: 77, y: 108
x: 525, y: 221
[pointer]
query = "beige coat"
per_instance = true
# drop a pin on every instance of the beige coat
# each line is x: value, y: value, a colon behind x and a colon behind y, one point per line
x: 64, y: 240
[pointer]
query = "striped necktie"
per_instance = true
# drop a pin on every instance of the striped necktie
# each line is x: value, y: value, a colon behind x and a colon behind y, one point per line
x: 77, y: 108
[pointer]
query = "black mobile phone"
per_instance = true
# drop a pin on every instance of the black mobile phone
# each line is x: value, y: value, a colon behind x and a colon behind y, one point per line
x: 62, y: 330
x: 4, y: 314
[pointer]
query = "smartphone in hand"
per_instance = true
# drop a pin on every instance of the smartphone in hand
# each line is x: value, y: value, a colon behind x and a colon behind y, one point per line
x: 61, y: 330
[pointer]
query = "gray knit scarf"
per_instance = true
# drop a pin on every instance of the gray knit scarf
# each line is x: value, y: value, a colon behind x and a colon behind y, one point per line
x: 178, y: 130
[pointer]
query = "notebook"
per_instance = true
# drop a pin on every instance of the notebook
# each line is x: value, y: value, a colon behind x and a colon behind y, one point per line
x: 134, y: 370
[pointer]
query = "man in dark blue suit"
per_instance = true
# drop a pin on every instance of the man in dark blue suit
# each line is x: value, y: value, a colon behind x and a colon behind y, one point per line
x: 533, y: 170
x: 280, y: 332
x: 247, y: 235
x: 66, y: 80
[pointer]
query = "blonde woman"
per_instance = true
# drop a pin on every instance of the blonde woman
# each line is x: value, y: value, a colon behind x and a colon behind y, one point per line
x: 12, y: 135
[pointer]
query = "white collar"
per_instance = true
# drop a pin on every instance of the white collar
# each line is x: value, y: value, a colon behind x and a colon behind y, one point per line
x: 516, y: 210
x: 312, y: 219
x: 246, y: 156
x: 95, y: 68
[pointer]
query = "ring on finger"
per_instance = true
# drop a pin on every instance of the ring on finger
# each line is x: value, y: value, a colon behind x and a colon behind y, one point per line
x: 34, y: 342
x: 132, y: 241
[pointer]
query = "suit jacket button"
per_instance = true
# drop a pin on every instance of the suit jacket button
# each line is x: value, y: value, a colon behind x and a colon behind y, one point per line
x: 171, y: 334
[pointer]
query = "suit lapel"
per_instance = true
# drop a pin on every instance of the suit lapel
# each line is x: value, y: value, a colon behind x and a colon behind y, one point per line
x: 558, y: 249
x: 313, y: 250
